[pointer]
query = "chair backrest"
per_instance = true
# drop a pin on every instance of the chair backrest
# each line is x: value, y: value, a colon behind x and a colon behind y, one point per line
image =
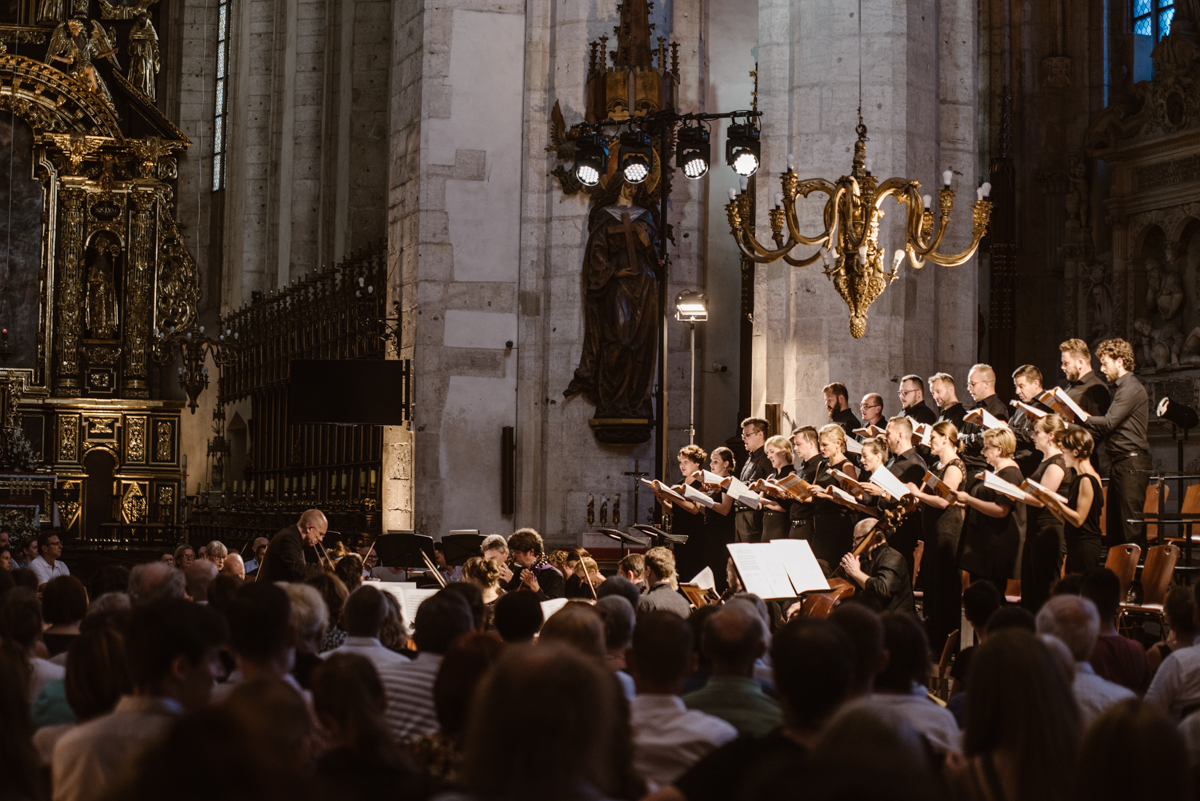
x: 1151, y: 506
x: 1158, y: 572
x: 1122, y: 560
x: 1190, y: 506
x: 1012, y: 590
x: 940, y: 685
x: 917, y: 554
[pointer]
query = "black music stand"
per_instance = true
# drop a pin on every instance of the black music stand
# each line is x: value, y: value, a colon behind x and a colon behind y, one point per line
x: 461, y: 547
x: 625, y: 539
x: 403, y: 549
x: 661, y: 537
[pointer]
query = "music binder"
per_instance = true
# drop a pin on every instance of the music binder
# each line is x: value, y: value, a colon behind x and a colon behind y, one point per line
x: 982, y: 417
x: 1063, y: 405
x: 936, y: 486
x: 1032, y: 412
x: 884, y: 479
x: 994, y: 482
x: 777, y: 569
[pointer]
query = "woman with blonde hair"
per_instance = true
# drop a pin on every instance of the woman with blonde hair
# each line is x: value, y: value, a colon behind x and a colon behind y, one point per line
x: 777, y: 520
x: 1042, y: 556
x: 990, y: 547
x: 832, y: 442
x: 484, y: 574
x: 833, y: 524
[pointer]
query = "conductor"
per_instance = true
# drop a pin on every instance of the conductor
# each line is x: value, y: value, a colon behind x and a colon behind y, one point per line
x: 292, y: 554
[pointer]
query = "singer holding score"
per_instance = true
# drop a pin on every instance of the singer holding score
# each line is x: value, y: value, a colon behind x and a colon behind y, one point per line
x: 995, y: 525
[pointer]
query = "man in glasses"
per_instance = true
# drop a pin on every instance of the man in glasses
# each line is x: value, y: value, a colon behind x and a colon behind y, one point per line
x: 912, y: 398
x: 48, y: 564
x: 871, y: 409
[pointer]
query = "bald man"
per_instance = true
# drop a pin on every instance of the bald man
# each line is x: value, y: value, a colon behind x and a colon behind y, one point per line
x: 871, y: 409
x: 234, y: 566
x: 292, y: 554
x: 981, y: 384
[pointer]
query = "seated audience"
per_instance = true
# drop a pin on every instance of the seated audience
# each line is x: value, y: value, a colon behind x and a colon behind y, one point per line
x: 1175, y: 688
x: 350, y: 570
x: 334, y: 591
x: 1023, y: 729
x: 362, y: 618
x: 310, y: 618
x: 865, y: 629
x: 22, y: 777
x: 814, y: 663
x: 198, y: 576
x: 154, y: 581
x: 440, y: 620
x: 733, y: 639
x: 518, y: 617
x: 184, y: 556
x: 1116, y: 658
x: 234, y: 566
x: 394, y: 633
x: 1074, y: 621
x: 110, y: 578
x: 1133, y: 752
x: 980, y: 601
x: 466, y: 661
x: 668, y: 737
x: 261, y: 636
x: 48, y: 564
x: 64, y: 603
x: 474, y: 598
x: 21, y: 631
x: 578, y: 625
x: 619, y: 585
x: 619, y: 619
x: 901, y: 688
x: 660, y: 590
x: 171, y: 646
x: 1180, y: 611
x: 574, y: 742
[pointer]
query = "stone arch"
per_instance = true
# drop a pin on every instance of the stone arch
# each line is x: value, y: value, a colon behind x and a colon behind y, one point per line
x: 50, y: 100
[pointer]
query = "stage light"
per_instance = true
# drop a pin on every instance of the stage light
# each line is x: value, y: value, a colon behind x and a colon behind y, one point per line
x: 1178, y: 414
x: 637, y: 156
x: 693, y: 151
x: 691, y: 307
x: 589, y: 159
x: 742, y: 149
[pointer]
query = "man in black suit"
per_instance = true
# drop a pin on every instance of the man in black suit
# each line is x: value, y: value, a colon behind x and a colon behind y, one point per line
x: 1084, y: 386
x: 292, y: 555
x: 1027, y: 382
x: 837, y: 403
x: 748, y: 522
x: 945, y: 395
x: 912, y: 398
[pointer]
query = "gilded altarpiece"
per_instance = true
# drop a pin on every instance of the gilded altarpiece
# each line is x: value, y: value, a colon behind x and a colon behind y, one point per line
x: 96, y: 272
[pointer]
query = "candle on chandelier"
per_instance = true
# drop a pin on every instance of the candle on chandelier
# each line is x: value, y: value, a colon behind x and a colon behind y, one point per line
x: 732, y: 193
x: 372, y: 478
x: 791, y: 161
x: 743, y: 182
x: 867, y: 165
x: 927, y: 200
x: 778, y: 200
x: 983, y: 191
x: 947, y: 177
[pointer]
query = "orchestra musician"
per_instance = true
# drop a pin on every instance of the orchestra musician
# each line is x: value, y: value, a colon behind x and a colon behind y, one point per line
x: 881, y: 573
x: 749, y: 522
x: 1042, y: 556
x: 533, y: 572
x: 293, y: 554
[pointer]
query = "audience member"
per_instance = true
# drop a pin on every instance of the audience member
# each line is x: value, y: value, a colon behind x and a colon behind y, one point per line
x: 518, y: 617
x: 216, y: 552
x: 1116, y: 658
x: 64, y: 603
x: 258, y: 549
x: 1179, y: 609
x: 6, y: 558
x: 619, y: 585
x: 154, y: 581
x: 310, y: 618
x: 474, y: 598
x: 184, y: 556
x: 20, y: 778
x: 440, y: 620
x: 619, y: 619
x: 1134, y: 753
x: 901, y: 688
x: 171, y: 647
x: 865, y: 630
x: 463, y: 667
x: 632, y: 568
x: 48, y: 564
x: 733, y: 640
x: 1175, y: 688
x: 362, y: 619
x: 1073, y: 619
x: 234, y: 566
x: 579, y: 626
x: 110, y: 578
x: 334, y: 591
x: 660, y: 586
x: 1022, y: 736
x: 394, y: 634
x: 980, y: 601
x: 222, y: 589
x: 278, y: 716
x: 668, y: 737
x: 26, y: 551
x: 198, y: 576
x: 21, y: 630
x: 261, y: 636
x: 350, y: 570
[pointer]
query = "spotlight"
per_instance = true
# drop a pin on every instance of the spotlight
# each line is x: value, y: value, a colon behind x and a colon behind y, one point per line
x: 691, y: 307
x: 1178, y: 414
x: 742, y: 149
x: 693, y: 151
x: 589, y: 159
x: 637, y: 155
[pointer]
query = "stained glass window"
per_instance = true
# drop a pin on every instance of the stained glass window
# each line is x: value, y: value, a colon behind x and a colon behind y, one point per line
x: 221, y: 96
x: 1153, y: 17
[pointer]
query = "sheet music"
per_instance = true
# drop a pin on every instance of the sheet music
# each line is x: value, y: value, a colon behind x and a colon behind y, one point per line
x: 1075, y: 408
x: 704, y: 579
x: 742, y: 494
x: 762, y: 572
x: 802, y: 567
x: 853, y: 445
x: 981, y: 416
x: 841, y: 493
x: 1042, y: 493
x: 710, y: 478
x: 408, y: 596
x: 923, y: 431
x: 1032, y: 411
x: 664, y: 489
x: 693, y: 494
x: 994, y: 482
x: 884, y: 479
x: 552, y: 606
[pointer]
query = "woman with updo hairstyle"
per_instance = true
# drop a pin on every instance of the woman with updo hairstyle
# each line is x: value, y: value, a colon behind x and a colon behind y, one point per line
x: 687, y: 519
x: 1085, y: 502
x: 484, y: 574
x: 831, y: 440
x: 1041, y: 558
x: 995, y: 524
x: 718, y: 521
x: 833, y: 524
x: 777, y: 512
x: 941, y: 525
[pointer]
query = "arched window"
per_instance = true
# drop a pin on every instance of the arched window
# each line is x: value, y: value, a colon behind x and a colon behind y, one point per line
x: 1153, y: 17
x: 221, y: 104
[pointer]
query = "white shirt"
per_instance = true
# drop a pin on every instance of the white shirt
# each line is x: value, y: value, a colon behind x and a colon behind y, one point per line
x: 1094, y: 694
x: 668, y: 738
x: 45, y: 571
x: 409, y: 688
x: 45, y: 738
x: 372, y: 649
x: 88, y: 757
x: 929, y: 718
x: 42, y: 671
x: 1176, y: 685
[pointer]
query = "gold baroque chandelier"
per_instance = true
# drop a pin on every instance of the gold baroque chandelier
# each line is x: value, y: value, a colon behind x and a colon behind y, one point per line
x: 849, y: 246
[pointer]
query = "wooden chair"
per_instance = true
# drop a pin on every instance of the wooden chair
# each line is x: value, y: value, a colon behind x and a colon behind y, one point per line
x: 1191, y: 506
x: 1151, y: 507
x: 1123, y: 560
x: 939, y: 683
x: 1012, y: 591
x: 1157, y: 574
x: 918, y: 552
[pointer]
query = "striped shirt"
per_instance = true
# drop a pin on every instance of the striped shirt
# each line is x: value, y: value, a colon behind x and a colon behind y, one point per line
x: 409, y: 688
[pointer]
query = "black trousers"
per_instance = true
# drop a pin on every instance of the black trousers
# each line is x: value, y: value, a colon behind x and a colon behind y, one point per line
x: 748, y: 523
x: 1127, y: 481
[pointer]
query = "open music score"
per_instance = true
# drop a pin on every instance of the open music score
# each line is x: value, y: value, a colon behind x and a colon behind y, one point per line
x: 1062, y: 404
x: 407, y: 595
x: 871, y: 432
x: 777, y: 569
x: 994, y: 482
x: 714, y: 480
x: 658, y: 486
x: 702, y: 589
x: 935, y: 486
x: 742, y: 494
x: 1048, y: 497
x: 887, y: 482
x: 923, y: 431
x: 843, y: 498
x: 853, y: 446
x: 695, y: 495
x: 1033, y: 412
x: 982, y: 417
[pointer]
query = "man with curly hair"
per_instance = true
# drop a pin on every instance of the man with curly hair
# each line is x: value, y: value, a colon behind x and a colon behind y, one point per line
x: 1123, y: 428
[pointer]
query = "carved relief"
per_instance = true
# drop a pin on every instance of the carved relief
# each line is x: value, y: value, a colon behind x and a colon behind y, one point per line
x: 133, y: 504
x: 70, y: 267
x: 163, y: 443
x: 68, y: 511
x: 135, y: 439
x: 138, y: 281
x: 68, y: 439
x: 166, y: 503
x: 101, y: 427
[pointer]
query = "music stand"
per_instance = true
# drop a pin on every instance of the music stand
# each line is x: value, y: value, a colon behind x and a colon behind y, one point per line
x: 662, y: 537
x: 624, y: 538
x: 403, y: 549
x: 459, y: 547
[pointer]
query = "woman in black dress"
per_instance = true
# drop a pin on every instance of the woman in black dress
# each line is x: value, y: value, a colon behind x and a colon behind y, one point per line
x: 718, y: 521
x: 833, y: 523
x: 777, y: 510
x: 1041, y: 559
x: 941, y: 525
x: 994, y: 530
x: 687, y: 519
x: 1085, y: 503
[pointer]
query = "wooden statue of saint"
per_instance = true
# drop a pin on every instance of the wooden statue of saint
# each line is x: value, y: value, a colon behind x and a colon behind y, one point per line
x: 620, y: 301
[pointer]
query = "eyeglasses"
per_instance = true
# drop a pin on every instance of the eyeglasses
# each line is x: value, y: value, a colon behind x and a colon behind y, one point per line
x: 904, y: 392
x: 870, y: 405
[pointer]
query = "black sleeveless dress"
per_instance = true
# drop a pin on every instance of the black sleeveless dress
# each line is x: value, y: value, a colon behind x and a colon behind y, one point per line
x: 689, y: 557
x: 990, y: 547
x: 776, y: 525
x: 1083, y: 543
x: 941, y: 529
x: 1041, y: 558
x: 719, y: 531
x: 833, y: 524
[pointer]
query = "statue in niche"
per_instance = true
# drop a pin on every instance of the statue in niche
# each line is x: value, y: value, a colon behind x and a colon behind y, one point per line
x: 1160, y: 346
x: 1078, y: 197
x: 143, y: 56
x: 100, y: 308
x: 1100, y: 303
x: 620, y: 299
x: 1164, y: 289
x: 51, y: 11
x: 73, y: 45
